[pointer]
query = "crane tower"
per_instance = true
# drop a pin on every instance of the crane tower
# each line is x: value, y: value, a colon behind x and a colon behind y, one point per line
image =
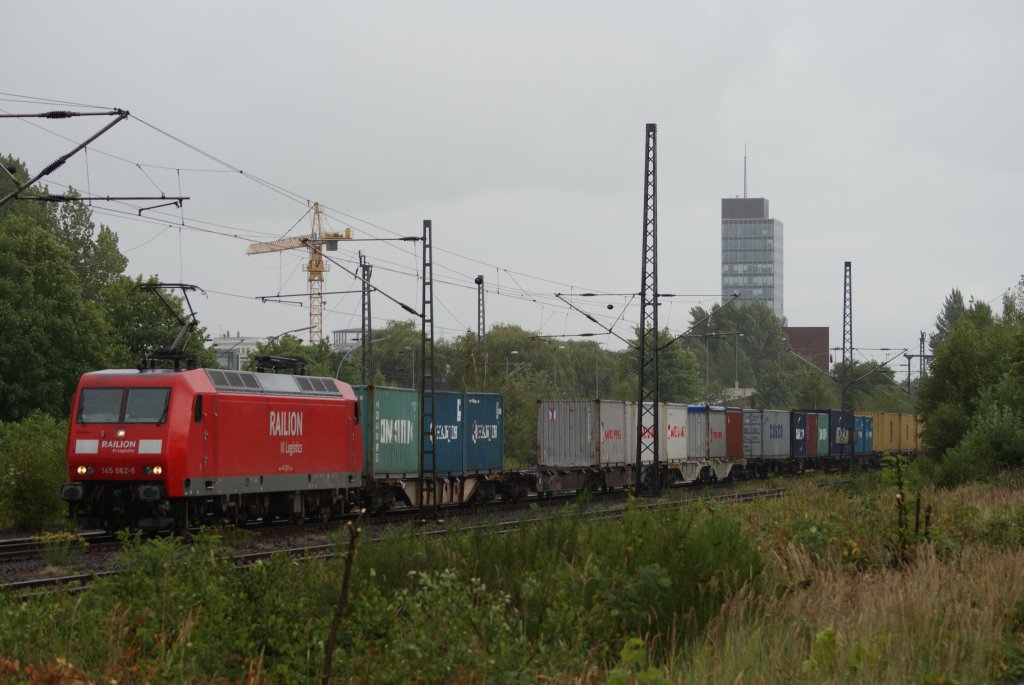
x: 316, y: 242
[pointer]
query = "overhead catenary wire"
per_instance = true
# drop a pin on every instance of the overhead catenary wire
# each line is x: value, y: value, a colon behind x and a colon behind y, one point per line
x: 520, y: 292
x: 298, y: 197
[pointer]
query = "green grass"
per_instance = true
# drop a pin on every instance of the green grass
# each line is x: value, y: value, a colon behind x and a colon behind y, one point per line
x: 827, y: 585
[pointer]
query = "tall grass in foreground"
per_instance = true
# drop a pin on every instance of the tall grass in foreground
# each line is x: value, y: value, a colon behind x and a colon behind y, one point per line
x: 934, y: 621
x: 824, y: 586
x: 557, y: 599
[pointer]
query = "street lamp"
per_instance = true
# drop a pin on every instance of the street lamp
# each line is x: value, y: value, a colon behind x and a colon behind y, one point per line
x: 281, y: 335
x: 735, y: 354
x: 707, y: 354
x: 349, y: 354
x: 413, y: 378
x: 736, y: 361
x: 508, y: 357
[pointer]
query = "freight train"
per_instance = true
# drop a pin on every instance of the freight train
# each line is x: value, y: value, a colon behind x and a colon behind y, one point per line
x: 168, y: 449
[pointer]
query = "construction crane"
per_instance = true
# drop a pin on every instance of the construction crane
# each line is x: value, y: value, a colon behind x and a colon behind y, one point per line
x: 316, y: 242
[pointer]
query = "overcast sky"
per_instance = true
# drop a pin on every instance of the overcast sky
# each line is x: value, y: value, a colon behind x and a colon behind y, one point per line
x: 887, y: 134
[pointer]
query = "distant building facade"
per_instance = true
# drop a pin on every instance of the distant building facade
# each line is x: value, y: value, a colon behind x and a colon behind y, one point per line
x: 345, y: 339
x: 233, y: 350
x: 752, y: 253
x: 811, y: 343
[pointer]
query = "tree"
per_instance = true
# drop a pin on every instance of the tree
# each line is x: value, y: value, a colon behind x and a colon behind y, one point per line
x: 52, y: 334
x: 953, y: 309
x: 65, y: 306
x: 773, y: 388
x: 140, y: 323
x: 871, y: 386
x: 976, y: 384
x: 95, y: 256
x: 815, y: 390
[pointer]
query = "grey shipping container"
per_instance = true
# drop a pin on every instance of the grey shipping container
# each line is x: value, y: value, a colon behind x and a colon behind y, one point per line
x: 706, y: 437
x: 575, y: 433
x: 775, y: 438
x: 391, y: 431
x: 752, y: 433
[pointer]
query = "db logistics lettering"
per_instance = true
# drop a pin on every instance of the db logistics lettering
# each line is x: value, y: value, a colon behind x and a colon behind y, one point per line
x: 119, y: 445
x: 286, y: 423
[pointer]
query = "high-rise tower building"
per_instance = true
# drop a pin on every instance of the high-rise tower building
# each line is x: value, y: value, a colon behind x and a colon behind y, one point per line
x: 751, y: 252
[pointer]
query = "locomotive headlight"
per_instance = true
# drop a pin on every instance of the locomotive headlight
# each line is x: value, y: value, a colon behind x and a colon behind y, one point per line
x: 157, y: 470
x: 120, y: 432
x: 81, y: 470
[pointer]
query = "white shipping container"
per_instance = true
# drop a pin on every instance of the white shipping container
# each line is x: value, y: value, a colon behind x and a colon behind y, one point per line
x: 672, y: 431
x: 617, y: 428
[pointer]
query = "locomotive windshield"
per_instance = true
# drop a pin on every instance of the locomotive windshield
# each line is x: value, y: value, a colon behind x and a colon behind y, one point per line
x: 123, y: 405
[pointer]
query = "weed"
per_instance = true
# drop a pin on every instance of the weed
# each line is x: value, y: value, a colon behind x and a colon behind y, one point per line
x: 631, y: 669
x: 904, y: 539
x: 61, y: 548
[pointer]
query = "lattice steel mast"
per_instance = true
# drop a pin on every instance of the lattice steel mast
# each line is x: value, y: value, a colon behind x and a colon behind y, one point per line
x: 427, y: 456
x: 847, y: 316
x: 847, y: 352
x: 647, y: 394
x: 366, y: 270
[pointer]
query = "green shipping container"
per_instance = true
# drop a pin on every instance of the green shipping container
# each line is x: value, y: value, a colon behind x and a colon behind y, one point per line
x: 390, y: 420
x: 823, y: 450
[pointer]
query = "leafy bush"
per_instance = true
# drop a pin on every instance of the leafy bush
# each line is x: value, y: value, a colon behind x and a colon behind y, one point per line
x: 994, y: 442
x: 552, y: 598
x: 32, y: 470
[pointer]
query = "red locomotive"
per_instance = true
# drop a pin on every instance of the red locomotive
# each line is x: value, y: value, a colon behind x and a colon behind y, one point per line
x: 156, y: 449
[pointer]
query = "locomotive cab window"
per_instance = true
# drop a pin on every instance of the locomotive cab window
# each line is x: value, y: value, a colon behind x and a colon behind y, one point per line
x: 146, y: 405
x: 118, y: 405
x: 100, y: 405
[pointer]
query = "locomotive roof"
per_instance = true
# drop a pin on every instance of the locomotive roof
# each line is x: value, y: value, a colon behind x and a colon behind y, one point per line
x: 245, y: 381
x: 277, y: 384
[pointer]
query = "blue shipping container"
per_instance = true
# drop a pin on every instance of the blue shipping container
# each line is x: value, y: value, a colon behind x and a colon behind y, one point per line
x: 449, y: 440
x: 863, y: 428
x: 840, y: 425
x: 485, y: 432
x: 798, y: 434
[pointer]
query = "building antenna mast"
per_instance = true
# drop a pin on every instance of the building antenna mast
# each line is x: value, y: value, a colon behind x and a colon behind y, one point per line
x: 744, y: 170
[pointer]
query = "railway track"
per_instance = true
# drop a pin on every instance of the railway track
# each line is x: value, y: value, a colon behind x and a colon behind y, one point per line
x: 30, y: 548
x: 429, y: 527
